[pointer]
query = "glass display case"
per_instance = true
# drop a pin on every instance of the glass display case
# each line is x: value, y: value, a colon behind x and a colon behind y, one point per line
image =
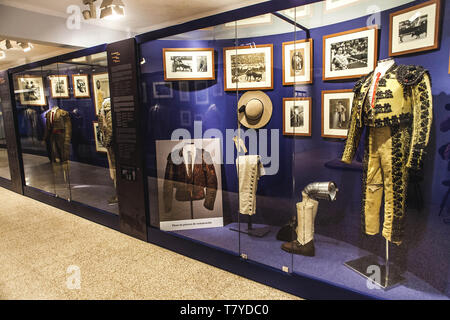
x: 272, y: 138
x: 4, y: 162
x: 65, y: 127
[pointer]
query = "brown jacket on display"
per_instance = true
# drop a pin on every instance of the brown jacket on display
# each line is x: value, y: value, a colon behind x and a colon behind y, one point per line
x: 58, y: 130
x: 190, y: 186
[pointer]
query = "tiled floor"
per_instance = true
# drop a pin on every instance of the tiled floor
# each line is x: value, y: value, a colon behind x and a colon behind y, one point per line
x: 38, y: 244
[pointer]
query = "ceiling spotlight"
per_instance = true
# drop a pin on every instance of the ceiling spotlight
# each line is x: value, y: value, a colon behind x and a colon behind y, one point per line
x: 8, y: 44
x: 111, y: 9
x: 92, y: 12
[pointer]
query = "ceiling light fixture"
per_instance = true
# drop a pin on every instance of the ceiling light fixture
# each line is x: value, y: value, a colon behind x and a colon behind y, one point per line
x: 26, y: 46
x: 2, y: 55
x: 92, y: 12
x: 112, y: 9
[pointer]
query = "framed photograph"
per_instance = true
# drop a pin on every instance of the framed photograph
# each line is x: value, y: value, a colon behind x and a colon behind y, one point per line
x: 331, y: 5
x: 297, y: 120
x: 80, y: 84
x: 350, y: 54
x: 162, y: 90
x: 99, y: 147
x: 415, y: 29
x: 31, y: 91
x: 100, y: 82
x: 336, y: 111
x: 188, y: 64
x: 298, y: 62
x: 248, y: 67
x: 59, y: 86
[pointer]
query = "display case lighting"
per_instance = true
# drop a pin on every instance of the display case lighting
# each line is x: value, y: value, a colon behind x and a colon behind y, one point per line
x: 112, y: 9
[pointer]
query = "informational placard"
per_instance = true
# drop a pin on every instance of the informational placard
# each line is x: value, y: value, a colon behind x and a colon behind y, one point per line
x: 122, y: 67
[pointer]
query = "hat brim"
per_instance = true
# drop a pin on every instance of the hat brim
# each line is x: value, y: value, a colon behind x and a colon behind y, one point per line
x: 267, y: 113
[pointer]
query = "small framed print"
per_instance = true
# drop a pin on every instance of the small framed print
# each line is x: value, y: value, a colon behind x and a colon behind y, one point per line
x: 59, y: 86
x: 336, y: 112
x: 248, y: 67
x: 98, y: 135
x: 80, y: 84
x: 297, y: 119
x: 415, y: 29
x: 298, y: 62
x: 31, y: 91
x: 100, y: 82
x: 188, y: 64
x: 350, y: 54
x: 162, y: 90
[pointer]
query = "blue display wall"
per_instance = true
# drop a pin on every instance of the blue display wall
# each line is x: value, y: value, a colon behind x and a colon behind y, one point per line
x: 305, y: 159
x: 82, y: 114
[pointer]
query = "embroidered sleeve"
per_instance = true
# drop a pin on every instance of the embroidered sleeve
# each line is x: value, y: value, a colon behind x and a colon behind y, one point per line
x: 353, y: 137
x: 211, y: 181
x: 422, y: 118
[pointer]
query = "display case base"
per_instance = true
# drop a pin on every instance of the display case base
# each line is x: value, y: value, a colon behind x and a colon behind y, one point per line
x: 366, y: 267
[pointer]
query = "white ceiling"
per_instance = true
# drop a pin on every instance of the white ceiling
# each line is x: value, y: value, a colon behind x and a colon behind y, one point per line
x: 140, y: 15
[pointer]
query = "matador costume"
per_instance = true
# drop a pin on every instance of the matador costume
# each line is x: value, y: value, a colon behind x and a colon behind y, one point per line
x: 398, y: 120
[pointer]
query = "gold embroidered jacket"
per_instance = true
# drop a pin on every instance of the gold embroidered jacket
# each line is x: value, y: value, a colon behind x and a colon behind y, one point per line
x: 403, y: 96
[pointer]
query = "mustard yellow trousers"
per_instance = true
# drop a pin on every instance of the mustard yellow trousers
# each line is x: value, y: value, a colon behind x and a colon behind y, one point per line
x: 385, y: 173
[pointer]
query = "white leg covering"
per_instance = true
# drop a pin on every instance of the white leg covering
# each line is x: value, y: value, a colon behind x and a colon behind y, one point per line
x: 306, y: 214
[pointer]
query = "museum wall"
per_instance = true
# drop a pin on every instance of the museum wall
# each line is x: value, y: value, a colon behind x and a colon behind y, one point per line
x: 304, y: 159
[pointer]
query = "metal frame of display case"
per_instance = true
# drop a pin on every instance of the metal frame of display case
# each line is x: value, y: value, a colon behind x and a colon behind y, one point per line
x: 302, y: 285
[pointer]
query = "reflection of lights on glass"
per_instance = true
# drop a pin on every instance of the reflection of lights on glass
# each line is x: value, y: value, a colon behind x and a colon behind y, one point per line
x: 143, y: 61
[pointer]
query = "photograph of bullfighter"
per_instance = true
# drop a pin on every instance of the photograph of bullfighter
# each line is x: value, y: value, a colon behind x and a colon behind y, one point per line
x: 181, y: 63
x: 248, y: 67
x: 411, y: 30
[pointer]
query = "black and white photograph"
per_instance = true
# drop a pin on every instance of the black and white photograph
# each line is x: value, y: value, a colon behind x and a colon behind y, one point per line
x: 350, y: 54
x: 415, y: 29
x: 100, y: 82
x: 80, y: 84
x: 178, y: 160
x: 297, y: 116
x: 248, y: 67
x: 336, y: 108
x: 59, y: 86
x: 98, y: 136
x: 32, y: 91
x: 339, y: 113
x: 298, y: 62
x: 162, y: 90
x: 188, y: 64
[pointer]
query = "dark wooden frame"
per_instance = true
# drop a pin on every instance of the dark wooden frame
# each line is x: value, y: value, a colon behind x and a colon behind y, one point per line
x: 88, y: 89
x: 436, y: 27
x: 43, y: 90
x: 375, y: 29
x: 311, y: 53
x: 51, y: 77
x: 324, y: 92
x: 247, y: 47
x: 309, y: 99
x: 192, y: 50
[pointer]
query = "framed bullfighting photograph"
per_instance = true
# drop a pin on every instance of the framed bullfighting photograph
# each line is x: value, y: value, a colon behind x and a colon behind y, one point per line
x: 59, y: 86
x: 98, y: 136
x: 350, y: 54
x: 336, y: 111
x: 298, y: 62
x: 415, y: 29
x: 31, y: 91
x: 248, y: 67
x: 100, y: 81
x: 80, y: 84
x: 188, y: 64
x: 297, y: 118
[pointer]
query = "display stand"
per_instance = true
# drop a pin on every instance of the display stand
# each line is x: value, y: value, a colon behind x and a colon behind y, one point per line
x: 389, y: 276
x: 251, y: 230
